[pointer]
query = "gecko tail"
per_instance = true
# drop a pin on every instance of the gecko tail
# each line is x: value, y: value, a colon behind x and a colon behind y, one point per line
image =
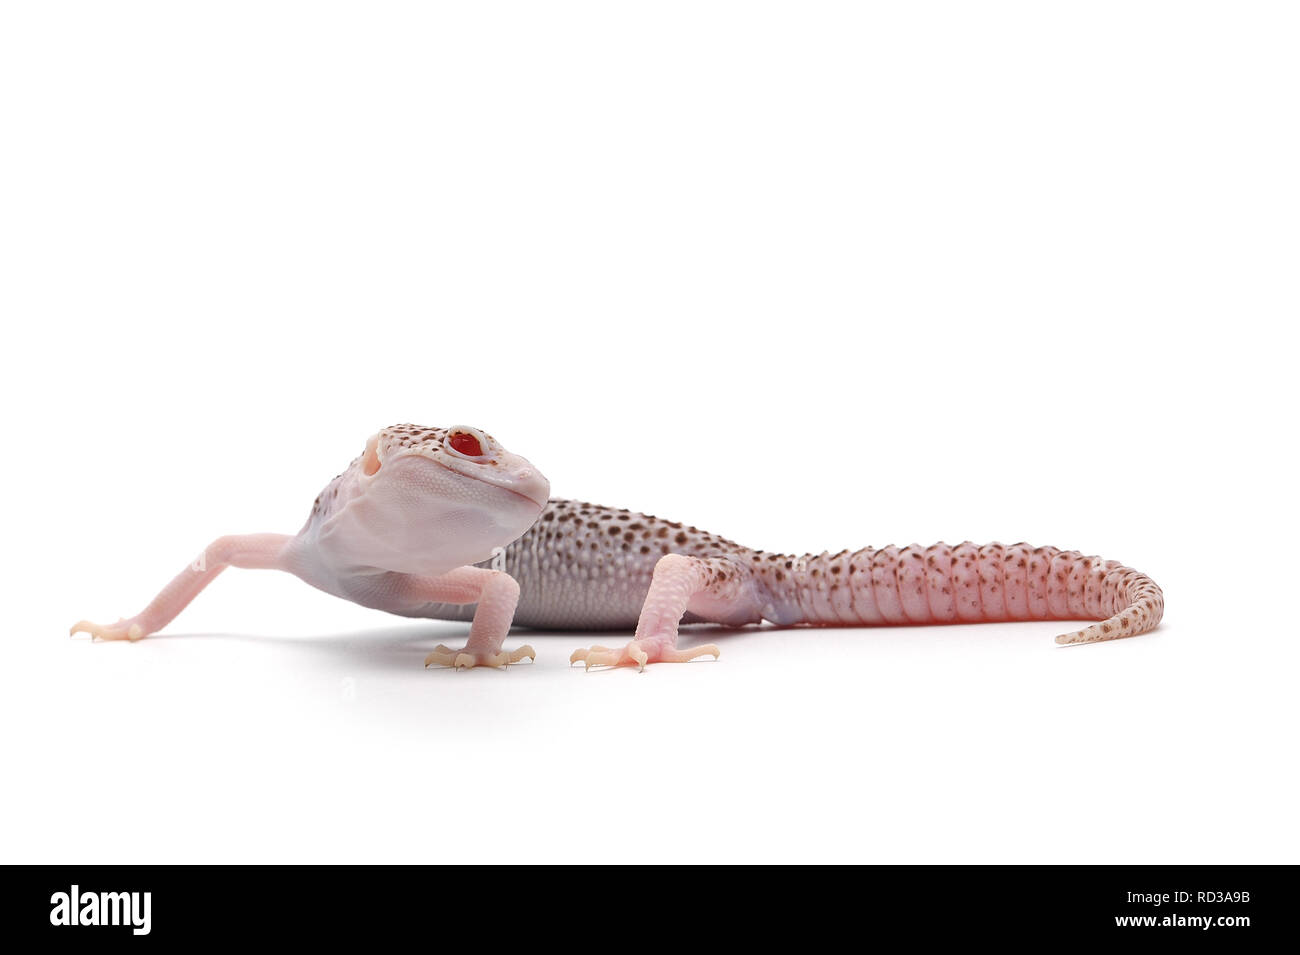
x: 1137, y: 604
x: 967, y: 583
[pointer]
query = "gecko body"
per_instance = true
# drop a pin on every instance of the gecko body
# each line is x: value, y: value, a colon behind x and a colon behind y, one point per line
x: 417, y: 523
x: 584, y: 566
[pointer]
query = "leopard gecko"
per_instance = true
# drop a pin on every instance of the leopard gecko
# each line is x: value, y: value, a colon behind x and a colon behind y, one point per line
x: 446, y: 523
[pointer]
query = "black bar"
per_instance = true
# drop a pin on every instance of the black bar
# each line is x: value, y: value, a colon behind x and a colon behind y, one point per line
x: 360, y: 905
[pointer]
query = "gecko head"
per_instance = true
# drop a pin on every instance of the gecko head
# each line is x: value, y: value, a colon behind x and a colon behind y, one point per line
x: 427, y: 500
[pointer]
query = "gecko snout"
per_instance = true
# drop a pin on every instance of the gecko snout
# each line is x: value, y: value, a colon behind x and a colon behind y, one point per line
x: 530, y: 483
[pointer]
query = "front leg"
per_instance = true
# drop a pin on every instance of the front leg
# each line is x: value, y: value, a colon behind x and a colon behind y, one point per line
x: 718, y: 589
x: 495, y: 592
x: 257, y: 551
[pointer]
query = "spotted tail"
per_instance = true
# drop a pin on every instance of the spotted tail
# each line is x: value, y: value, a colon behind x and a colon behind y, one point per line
x: 969, y: 583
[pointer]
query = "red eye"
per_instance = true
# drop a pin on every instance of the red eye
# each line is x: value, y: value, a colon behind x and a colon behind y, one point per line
x: 466, y: 444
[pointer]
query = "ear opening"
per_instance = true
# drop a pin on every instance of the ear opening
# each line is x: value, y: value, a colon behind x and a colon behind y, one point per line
x: 370, y: 460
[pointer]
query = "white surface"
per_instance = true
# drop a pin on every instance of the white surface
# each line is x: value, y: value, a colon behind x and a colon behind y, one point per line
x: 807, y: 278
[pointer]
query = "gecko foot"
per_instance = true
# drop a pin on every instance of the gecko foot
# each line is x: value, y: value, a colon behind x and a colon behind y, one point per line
x: 465, y: 659
x: 638, y: 653
x: 122, y: 630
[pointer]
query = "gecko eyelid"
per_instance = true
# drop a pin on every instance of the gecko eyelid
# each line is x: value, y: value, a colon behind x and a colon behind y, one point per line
x: 465, y: 443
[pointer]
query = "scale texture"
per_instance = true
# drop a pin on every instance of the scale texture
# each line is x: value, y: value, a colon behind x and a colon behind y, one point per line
x: 584, y: 566
x: 446, y: 523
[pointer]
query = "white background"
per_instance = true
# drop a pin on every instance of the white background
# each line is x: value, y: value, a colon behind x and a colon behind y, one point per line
x: 806, y: 275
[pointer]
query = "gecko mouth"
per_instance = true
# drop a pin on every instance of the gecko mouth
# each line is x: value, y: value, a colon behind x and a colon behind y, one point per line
x: 540, y: 498
x: 524, y: 497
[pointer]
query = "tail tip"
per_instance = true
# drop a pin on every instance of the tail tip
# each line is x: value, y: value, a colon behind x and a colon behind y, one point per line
x: 1073, y: 637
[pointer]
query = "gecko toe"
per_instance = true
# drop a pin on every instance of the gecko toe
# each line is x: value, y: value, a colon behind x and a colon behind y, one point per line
x: 442, y: 656
x: 582, y: 654
x: 685, y: 656
x: 122, y: 630
x: 602, y: 657
x: 465, y: 659
x: 639, y: 653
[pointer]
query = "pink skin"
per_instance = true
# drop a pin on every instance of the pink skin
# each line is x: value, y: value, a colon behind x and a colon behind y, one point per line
x: 395, y: 531
x: 399, y: 529
x: 933, y: 585
x: 584, y: 566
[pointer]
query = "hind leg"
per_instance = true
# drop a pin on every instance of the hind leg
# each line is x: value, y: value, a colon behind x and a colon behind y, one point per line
x: 718, y: 589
